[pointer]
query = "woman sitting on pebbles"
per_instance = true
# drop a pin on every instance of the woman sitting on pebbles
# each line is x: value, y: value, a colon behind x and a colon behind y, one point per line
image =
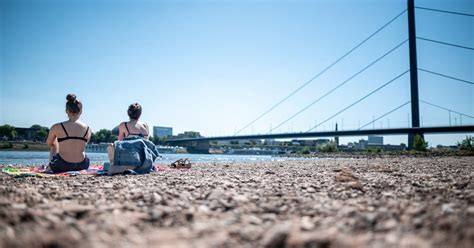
x: 67, y: 140
x: 133, y: 127
x: 133, y: 152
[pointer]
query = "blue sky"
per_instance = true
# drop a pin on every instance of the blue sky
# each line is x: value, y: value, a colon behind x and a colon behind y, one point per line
x: 214, y: 66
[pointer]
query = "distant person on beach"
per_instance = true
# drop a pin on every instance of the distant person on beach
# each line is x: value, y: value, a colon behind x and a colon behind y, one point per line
x: 133, y: 152
x: 67, y: 140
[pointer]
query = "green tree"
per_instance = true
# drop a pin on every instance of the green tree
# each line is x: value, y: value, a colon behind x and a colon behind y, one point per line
x: 466, y: 144
x: 327, y: 147
x: 104, y: 136
x: 36, y: 126
x: 419, y: 143
x: 41, y: 134
x: 305, y: 150
x: 7, y: 131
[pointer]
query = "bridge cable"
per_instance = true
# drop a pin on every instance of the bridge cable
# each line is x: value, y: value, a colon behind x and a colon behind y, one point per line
x: 446, y: 76
x: 339, y: 85
x: 322, y: 72
x: 445, y: 43
x: 437, y: 106
x: 382, y: 116
x: 361, y: 99
x: 445, y: 11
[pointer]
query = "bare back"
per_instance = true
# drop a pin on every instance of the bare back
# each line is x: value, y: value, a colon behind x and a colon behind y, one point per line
x: 71, y: 139
x: 133, y: 128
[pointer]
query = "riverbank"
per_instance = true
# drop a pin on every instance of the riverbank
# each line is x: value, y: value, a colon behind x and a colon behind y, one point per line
x: 375, y: 202
x: 23, y: 146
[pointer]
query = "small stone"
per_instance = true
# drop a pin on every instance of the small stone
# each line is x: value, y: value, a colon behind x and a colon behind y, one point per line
x: 19, y: 206
x: 311, y: 190
x: 108, y: 185
x: 249, y: 233
x: 277, y: 235
x: 254, y: 220
x: 470, y: 210
x: 215, y: 194
x: 240, y: 198
x: 156, y: 198
x: 306, y: 224
x: 203, y: 209
x: 447, y: 208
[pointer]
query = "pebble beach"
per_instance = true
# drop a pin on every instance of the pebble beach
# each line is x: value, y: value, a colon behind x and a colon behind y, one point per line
x: 365, y: 202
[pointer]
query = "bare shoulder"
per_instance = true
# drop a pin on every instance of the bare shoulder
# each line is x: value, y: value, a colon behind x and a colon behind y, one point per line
x: 145, y: 126
x: 55, y: 127
x: 82, y: 124
x: 54, y: 130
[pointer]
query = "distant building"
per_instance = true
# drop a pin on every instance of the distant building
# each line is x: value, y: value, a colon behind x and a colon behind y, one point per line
x: 187, y: 135
x: 162, y: 132
x: 375, y: 140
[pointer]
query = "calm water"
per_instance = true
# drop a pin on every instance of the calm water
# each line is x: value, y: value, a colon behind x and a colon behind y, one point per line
x: 27, y: 158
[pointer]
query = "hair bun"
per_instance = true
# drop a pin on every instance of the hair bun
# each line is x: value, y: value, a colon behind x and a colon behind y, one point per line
x: 71, y: 97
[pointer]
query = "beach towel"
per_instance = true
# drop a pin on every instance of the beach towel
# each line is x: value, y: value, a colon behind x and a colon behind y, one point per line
x: 39, y: 172
x: 36, y: 171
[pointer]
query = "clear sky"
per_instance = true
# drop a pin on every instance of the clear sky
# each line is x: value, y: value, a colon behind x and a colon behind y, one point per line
x: 214, y: 66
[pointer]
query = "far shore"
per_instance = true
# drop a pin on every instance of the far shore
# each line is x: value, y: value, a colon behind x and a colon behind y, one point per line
x: 26, y: 146
x: 23, y: 146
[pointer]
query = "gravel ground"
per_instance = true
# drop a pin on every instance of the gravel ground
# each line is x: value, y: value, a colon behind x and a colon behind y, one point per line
x: 371, y: 202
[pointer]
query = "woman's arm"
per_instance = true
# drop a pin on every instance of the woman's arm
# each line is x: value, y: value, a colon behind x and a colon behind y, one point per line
x: 147, y: 136
x: 121, y: 132
x: 89, y: 135
x: 52, y: 141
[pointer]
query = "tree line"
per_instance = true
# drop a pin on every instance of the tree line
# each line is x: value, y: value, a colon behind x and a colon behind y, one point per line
x: 9, y: 132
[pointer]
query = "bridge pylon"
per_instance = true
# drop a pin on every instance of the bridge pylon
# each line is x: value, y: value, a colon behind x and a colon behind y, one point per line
x: 415, y: 108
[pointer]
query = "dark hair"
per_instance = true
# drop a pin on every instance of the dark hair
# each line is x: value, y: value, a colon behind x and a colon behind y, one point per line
x: 73, y: 105
x: 134, y: 111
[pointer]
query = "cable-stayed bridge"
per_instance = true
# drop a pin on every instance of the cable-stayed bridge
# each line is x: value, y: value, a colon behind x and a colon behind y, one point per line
x: 414, y: 101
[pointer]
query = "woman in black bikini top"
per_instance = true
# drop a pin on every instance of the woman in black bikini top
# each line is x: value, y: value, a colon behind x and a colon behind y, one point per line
x: 67, y: 148
x: 133, y: 127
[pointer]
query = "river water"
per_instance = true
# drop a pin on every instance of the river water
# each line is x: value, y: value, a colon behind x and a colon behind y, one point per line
x: 29, y: 158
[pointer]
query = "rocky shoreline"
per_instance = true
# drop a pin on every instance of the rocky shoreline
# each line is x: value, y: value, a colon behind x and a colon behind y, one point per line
x: 367, y: 202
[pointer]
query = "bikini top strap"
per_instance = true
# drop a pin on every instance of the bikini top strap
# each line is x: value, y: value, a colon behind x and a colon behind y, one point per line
x: 126, y: 126
x: 86, y: 132
x: 67, y: 135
